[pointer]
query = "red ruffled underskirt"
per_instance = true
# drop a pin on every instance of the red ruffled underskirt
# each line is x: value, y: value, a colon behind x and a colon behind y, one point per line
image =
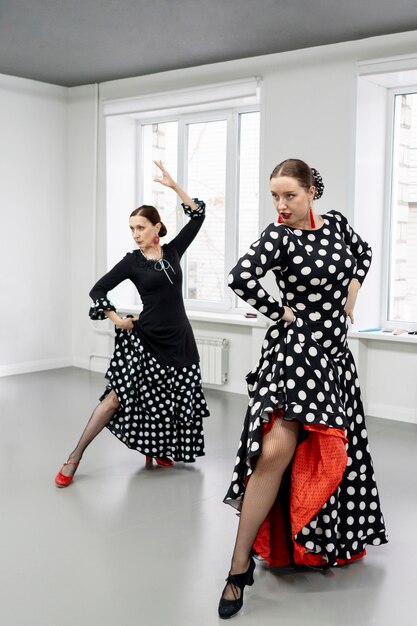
x: 316, y: 471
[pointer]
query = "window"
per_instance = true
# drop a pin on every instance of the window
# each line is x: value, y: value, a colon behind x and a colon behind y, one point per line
x: 402, y: 289
x: 386, y: 189
x: 212, y: 149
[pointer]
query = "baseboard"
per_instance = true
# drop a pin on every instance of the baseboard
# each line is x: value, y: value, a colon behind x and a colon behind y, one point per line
x: 34, y: 366
x: 396, y: 413
x: 81, y: 363
x: 97, y: 363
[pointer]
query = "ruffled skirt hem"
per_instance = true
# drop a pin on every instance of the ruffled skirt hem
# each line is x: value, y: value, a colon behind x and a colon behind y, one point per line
x: 311, y: 523
x: 161, y: 407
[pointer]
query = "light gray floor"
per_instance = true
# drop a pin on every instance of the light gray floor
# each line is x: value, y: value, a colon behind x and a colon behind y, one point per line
x: 123, y: 546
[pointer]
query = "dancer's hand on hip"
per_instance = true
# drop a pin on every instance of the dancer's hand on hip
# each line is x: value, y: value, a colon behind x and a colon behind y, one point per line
x: 126, y: 323
x: 353, y: 289
x: 289, y: 315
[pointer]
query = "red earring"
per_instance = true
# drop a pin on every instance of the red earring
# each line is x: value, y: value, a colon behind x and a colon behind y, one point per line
x: 156, y: 240
x: 280, y: 220
x: 312, y: 220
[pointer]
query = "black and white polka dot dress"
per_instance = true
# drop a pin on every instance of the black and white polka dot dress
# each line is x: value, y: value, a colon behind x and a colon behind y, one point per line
x: 162, y: 406
x: 154, y: 369
x: 307, y: 373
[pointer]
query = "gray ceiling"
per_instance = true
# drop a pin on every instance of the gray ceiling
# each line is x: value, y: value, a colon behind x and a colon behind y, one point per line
x: 75, y: 42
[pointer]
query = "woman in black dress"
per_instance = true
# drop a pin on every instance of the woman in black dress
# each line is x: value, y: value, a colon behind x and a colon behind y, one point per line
x: 303, y: 478
x: 154, y: 401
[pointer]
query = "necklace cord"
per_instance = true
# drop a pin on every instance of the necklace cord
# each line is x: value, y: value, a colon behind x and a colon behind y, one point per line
x: 163, y: 265
x: 160, y: 265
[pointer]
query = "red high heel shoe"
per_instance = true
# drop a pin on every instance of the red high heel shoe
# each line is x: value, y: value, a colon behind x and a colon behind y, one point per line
x: 162, y: 462
x: 63, y: 481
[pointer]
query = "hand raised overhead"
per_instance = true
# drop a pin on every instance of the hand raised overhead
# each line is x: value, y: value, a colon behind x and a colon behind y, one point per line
x: 166, y: 178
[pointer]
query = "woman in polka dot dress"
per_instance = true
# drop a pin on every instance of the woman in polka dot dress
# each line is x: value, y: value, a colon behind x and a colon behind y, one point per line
x: 154, y: 401
x: 303, y: 478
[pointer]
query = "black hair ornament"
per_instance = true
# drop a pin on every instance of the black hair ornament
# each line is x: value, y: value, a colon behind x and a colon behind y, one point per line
x: 318, y: 183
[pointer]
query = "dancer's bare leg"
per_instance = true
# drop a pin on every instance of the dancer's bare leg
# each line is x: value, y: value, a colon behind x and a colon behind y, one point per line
x: 100, y: 417
x: 278, y: 448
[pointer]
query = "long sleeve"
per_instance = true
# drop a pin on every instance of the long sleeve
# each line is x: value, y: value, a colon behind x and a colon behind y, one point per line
x: 265, y: 254
x: 109, y: 281
x: 360, y: 249
x: 190, y: 230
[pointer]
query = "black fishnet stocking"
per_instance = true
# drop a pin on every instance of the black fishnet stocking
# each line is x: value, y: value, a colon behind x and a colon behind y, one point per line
x: 278, y: 448
x: 100, y: 417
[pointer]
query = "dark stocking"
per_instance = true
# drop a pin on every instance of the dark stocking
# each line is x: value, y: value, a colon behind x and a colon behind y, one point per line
x: 278, y: 448
x: 100, y: 417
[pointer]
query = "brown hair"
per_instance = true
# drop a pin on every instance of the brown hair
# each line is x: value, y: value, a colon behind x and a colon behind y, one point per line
x: 151, y: 214
x: 306, y: 176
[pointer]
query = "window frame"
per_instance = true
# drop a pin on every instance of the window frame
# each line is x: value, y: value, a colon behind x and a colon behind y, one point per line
x: 232, y: 114
x: 388, y: 248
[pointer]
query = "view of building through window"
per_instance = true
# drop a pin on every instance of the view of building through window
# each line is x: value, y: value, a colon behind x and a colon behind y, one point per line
x: 403, y: 263
x: 207, y: 145
x: 160, y: 143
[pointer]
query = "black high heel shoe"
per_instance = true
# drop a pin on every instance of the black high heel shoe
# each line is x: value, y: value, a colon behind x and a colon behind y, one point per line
x: 228, y: 608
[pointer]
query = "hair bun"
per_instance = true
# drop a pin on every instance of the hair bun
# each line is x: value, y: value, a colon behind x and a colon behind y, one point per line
x: 318, y: 183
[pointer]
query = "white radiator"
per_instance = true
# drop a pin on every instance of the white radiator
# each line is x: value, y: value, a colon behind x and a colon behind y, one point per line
x: 214, y: 359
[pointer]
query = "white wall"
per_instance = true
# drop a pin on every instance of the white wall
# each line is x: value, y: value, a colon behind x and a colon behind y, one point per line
x: 82, y: 202
x: 388, y: 375
x: 308, y: 110
x: 35, y: 277
x: 49, y: 172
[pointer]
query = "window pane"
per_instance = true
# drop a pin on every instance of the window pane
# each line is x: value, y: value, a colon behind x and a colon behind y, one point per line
x: 248, y: 198
x: 207, y: 180
x: 403, y: 270
x: 160, y: 142
x: 248, y: 181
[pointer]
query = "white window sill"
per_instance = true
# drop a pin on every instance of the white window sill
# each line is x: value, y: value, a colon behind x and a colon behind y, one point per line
x: 238, y: 319
x: 214, y: 317
x: 379, y: 335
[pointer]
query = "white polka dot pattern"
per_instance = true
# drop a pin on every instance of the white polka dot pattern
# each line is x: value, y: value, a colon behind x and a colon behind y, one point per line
x: 161, y: 406
x: 97, y: 310
x: 306, y: 368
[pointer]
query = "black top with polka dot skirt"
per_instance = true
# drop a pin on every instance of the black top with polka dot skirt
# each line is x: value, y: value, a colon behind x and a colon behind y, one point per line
x: 154, y: 369
x: 163, y: 325
x: 307, y: 373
